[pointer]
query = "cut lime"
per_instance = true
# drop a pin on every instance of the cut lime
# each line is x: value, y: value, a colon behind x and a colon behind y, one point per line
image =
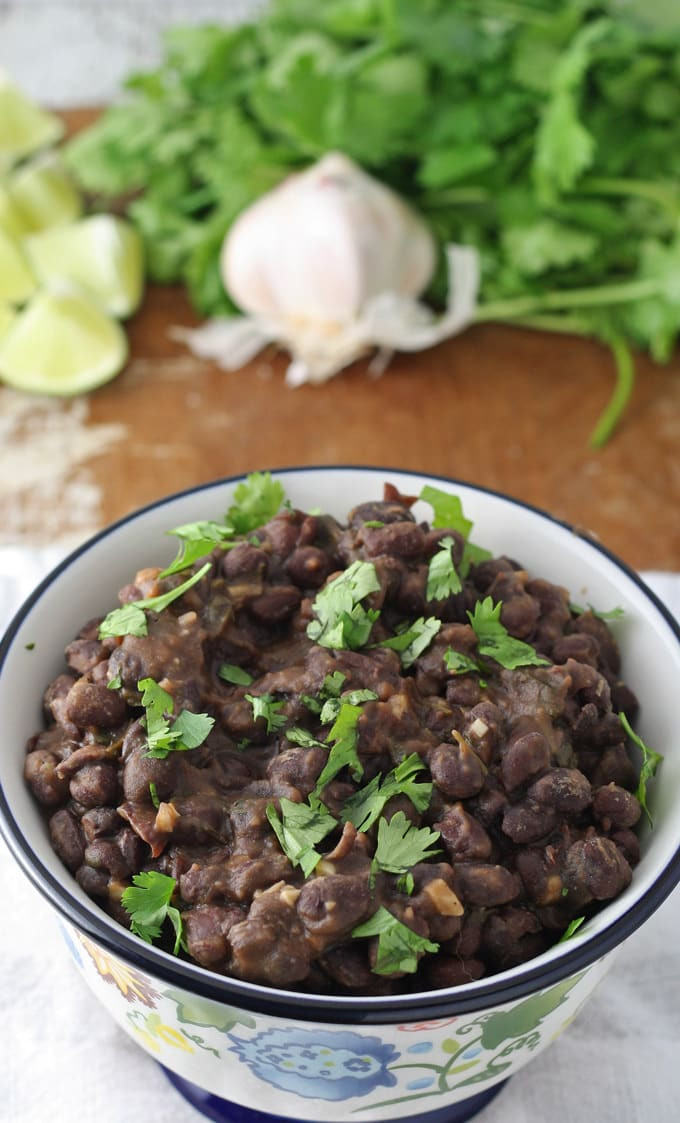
x: 44, y: 194
x: 101, y: 254
x: 16, y: 279
x: 7, y: 317
x: 24, y: 126
x: 11, y: 218
x: 61, y: 344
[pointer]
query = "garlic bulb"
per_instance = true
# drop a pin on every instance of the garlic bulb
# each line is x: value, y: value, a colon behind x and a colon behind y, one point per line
x: 329, y: 265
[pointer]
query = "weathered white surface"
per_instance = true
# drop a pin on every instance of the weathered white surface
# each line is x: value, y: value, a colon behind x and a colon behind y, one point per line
x: 77, y: 52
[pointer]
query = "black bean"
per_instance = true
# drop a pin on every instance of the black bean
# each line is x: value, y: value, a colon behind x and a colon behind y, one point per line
x: 331, y: 906
x: 40, y: 773
x: 595, y: 869
x: 614, y: 806
x: 484, y: 886
x: 529, y: 821
x: 206, y: 929
x: 308, y: 567
x: 398, y: 539
x: 67, y: 838
x: 276, y: 604
x: 526, y: 753
x: 245, y: 559
x: 93, y: 706
x: 456, y: 769
x: 567, y: 789
x: 95, y: 785
x: 463, y: 836
x: 99, y: 822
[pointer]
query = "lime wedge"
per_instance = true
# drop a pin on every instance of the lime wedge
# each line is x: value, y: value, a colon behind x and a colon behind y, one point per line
x: 43, y: 194
x: 102, y: 255
x: 24, y: 126
x: 11, y: 218
x: 61, y: 344
x: 7, y: 317
x: 16, y: 279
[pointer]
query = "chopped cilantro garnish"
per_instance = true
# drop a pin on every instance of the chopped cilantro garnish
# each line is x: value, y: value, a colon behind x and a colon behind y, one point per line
x: 332, y: 706
x: 197, y: 540
x: 187, y: 731
x: 299, y: 828
x: 153, y: 792
x: 257, y: 499
x: 650, y: 762
x: 494, y: 641
x: 442, y: 578
x: 130, y: 619
x: 345, y: 737
x: 114, y: 683
x: 374, y: 524
x: 30, y: 646
x: 231, y: 673
x: 401, y: 845
x: 147, y: 902
x: 607, y: 614
x: 413, y: 639
x: 447, y: 510
x: 399, y: 947
x: 458, y: 663
x: 572, y: 927
x: 265, y: 706
x: 341, y: 620
x: 330, y: 688
x: 366, y: 806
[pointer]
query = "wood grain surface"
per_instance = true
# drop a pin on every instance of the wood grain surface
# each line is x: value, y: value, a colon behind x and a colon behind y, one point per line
x: 506, y: 408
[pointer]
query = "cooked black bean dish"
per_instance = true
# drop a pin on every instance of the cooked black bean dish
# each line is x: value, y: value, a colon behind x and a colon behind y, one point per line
x: 356, y: 758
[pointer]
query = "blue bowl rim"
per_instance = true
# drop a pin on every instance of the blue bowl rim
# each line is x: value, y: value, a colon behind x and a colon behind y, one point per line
x: 341, y: 1009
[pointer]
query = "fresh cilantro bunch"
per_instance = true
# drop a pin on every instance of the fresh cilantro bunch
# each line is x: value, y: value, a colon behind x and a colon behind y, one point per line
x: 546, y: 135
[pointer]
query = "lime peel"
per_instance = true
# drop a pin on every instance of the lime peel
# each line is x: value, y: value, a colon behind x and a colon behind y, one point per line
x: 101, y: 255
x: 17, y: 282
x: 24, y: 127
x: 61, y: 343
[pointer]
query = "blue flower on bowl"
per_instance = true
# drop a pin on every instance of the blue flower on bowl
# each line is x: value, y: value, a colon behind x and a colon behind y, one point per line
x: 319, y: 1064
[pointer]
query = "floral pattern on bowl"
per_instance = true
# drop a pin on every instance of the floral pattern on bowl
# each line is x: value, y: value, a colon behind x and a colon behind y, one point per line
x: 379, y: 1073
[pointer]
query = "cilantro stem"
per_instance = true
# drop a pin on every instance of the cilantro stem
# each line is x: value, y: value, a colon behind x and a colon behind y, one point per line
x: 663, y: 194
x: 625, y: 380
x: 621, y: 293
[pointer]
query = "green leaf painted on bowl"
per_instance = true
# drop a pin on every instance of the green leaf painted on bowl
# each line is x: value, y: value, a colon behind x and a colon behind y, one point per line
x: 195, y: 1011
x: 526, y: 1015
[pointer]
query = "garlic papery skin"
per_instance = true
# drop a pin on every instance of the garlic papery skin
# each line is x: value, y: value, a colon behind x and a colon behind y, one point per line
x: 330, y: 265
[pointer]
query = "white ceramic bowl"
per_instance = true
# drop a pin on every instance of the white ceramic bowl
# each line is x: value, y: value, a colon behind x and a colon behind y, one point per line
x: 240, y: 1051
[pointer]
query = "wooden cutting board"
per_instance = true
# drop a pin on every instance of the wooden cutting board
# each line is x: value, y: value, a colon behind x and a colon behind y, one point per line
x: 506, y: 408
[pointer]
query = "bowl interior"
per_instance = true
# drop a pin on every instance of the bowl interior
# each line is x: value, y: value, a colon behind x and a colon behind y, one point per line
x: 86, y: 585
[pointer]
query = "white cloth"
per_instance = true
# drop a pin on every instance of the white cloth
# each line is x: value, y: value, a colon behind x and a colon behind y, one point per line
x: 64, y: 1058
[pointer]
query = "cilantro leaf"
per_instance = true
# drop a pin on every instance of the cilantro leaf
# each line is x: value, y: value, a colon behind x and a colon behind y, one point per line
x: 299, y: 828
x: 147, y: 902
x: 187, y: 731
x: 257, y: 499
x: 447, y: 510
x: 366, y: 806
x: 494, y: 641
x: 608, y: 614
x: 330, y: 688
x: 197, y: 540
x: 459, y: 664
x: 130, y: 619
x: 345, y: 737
x: 341, y: 620
x: 442, y: 578
x: 265, y: 706
x: 332, y: 706
x: 236, y: 675
x: 399, y: 947
x: 572, y: 927
x: 401, y: 845
x: 414, y: 639
x: 650, y: 762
